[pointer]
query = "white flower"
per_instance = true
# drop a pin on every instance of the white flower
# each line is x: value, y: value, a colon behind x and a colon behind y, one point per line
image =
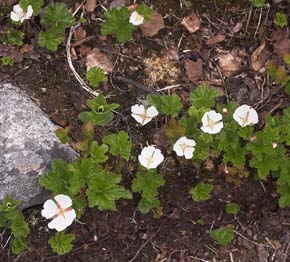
x: 246, y: 116
x: 212, y: 122
x: 18, y: 14
x: 142, y: 115
x: 60, y: 211
x: 150, y: 157
x: 136, y: 19
x: 184, y: 147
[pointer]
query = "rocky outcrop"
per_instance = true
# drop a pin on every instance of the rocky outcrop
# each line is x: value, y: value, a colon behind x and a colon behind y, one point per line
x: 27, y: 147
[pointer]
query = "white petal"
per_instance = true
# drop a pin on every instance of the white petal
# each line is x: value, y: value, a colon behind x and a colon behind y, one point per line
x: 70, y: 216
x: 253, y: 116
x: 152, y: 111
x: 59, y: 223
x: 143, y: 161
x: 158, y: 157
x: 63, y: 200
x: 190, y: 142
x: 204, y: 119
x: 138, y: 118
x: 148, y: 151
x: 18, y: 10
x: 146, y: 120
x: 49, y: 209
x: 29, y: 12
x: 178, y: 149
x: 208, y: 130
x: 136, y: 19
x: 14, y: 17
x: 214, y: 116
x: 138, y: 109
x: 218, y: 127
x: 188, y: 152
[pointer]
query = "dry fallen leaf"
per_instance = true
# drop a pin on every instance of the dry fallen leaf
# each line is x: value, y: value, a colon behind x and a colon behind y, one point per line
x: 215, y: 39
x: 259, y: 57
x: 237, y: 28
x: 118, y: 3
x: 229, y: 63
x: 90, y: 5
x: 96, y: 58
x: 191, y: 23
x: 152, y: 27
x: 79, y: 34
x: 281, y: 42
x: 194, y: 70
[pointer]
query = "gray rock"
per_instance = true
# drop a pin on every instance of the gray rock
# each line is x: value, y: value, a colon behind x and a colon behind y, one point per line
x: 27, y: 147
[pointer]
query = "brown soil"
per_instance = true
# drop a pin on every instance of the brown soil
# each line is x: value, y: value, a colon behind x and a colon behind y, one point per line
x: 262, y: 229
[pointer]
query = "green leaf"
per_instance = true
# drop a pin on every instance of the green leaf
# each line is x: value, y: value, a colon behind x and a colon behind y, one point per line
x: 223, y: 236
x: 232, y: 208
x: 258, y: 3
x: 284, y: 191
x: 57, y: 16
x: 280, y: 19
x: 36, y: 5
x: 9, y: 204
x: 79, y: 171
x: 145, y: 11
x: 168, y: 105
x: 18, y: 245
x: 20, y: 228
x: 50, y: 39
x: 155, y: 100
x: 103, y: 190
x: 12, y: 36
x: 95, y: 76
x: 171, y: 105
x: 201, y: 192
x: 148, y: 182
x: 145, y: 206
x: 101, y: 112
x: 117, y: 22
x: 98, y: 152
x: 62, y: 134
x: 57, y: 180
x: 120, y: 144
x: 203, y: 96
x: 61, y: 243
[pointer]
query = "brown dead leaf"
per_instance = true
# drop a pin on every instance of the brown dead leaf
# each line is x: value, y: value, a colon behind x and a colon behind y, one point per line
x: 118, y: 3
x: 160, y: 138
x: 215, y: 39
x: 152, y: 27
x: 26, y: 48
x: 229, y: 63
x: 96, y: 58
x: 237, y: 28
x: 194, y: 70
x: 191, y: 22
x: 281, y: 41
x: 259, y: 57
x: 79, y: 33
x: 90, y: 5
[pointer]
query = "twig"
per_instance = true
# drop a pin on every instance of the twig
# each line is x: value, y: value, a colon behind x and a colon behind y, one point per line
x: 135, y: 83
x: 259, y: 22
x: 168, y: 88
x: 249, y: 18
x: 146, y: 242
x: 255, y: 243
x: 69, y: 61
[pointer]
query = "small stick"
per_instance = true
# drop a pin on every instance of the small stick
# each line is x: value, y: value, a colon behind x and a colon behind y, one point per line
x: 69, y: 61
x: 259, y: 22
x: 135, y: 83
x: 146, y: 242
